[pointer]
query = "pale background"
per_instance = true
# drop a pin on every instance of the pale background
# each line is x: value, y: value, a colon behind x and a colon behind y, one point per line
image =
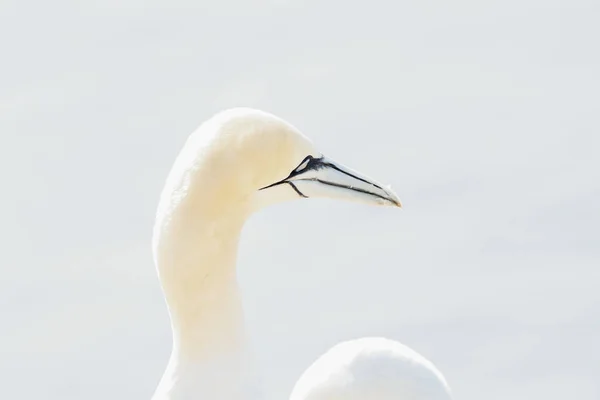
x: 483, y: 115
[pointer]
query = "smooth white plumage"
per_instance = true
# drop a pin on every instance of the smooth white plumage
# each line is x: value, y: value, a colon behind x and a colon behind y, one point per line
x: 236, y: 163
x: 371, y: 368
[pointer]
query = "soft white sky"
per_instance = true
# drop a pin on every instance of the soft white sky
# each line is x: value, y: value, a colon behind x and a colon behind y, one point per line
x: 482, y: 114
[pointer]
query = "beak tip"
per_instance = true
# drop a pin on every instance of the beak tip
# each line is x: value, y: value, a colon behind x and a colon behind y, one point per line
x: 393, y: 197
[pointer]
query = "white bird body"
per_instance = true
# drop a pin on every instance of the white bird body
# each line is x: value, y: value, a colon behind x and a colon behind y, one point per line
x: 236, y: 163
x: 371, y: 368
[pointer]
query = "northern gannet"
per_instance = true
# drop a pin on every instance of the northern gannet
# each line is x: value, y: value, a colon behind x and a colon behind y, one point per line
x: 237, y: 162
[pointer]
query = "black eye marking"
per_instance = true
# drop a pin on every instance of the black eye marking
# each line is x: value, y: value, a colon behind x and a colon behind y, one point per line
x: 309, y: 162
x: 303, y: 164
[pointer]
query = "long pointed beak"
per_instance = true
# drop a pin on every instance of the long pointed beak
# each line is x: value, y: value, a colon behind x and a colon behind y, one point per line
x: 321, y: 177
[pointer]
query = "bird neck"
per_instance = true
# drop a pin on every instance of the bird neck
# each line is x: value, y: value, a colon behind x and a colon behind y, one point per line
x: 196, y: 262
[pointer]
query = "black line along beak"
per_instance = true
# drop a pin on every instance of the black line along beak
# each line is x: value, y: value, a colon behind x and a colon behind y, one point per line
x: 321, y: 177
